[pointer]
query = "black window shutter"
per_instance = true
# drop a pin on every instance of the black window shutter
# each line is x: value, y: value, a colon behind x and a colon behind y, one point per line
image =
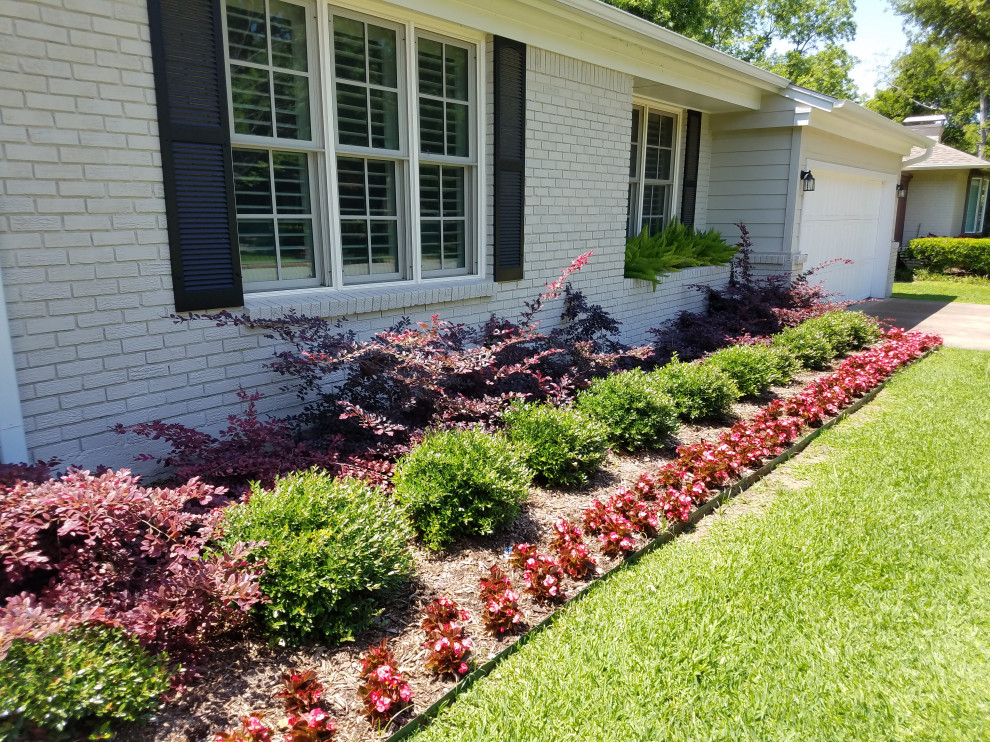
x: 191, y: 91
x: 692, y: 150
x: 510, y: 157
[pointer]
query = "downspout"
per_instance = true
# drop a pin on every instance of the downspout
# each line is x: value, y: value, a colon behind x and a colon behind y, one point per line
x: 13, y: 442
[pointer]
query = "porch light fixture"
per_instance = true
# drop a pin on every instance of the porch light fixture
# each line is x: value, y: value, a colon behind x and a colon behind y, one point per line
x: 807, y: 181
x: 901, y: 190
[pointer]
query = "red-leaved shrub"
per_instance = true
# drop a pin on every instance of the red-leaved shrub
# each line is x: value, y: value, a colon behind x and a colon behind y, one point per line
x: 103, y: 548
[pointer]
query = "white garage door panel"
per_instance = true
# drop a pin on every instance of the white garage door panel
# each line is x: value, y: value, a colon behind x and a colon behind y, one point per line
x: 840, y: 220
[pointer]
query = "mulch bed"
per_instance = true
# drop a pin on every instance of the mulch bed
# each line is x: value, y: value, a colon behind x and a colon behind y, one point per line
x: 242, y: 675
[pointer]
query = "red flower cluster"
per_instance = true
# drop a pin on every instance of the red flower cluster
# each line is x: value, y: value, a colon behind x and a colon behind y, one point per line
x: 307, y: 721
x: 703, y: 467
x: 541, y: 573
x: 615, y: 532
x: 252, y: 729
x: 501, y: 613
x: 641, y: 514
x: 445, y: 641
x: 383, y: 691
x: 568, y: 542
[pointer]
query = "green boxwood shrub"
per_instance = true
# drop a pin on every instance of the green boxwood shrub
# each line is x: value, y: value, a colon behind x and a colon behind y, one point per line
x: 944, y: 253
x: 335, y: 547
x: 698, y: 390
x: 635, y: 413
x: 812, y: 345
x: 755, y: 368
x: 75, y: 685
x: 847, y: 330
x: 562, y: 446
x: 461, y: 483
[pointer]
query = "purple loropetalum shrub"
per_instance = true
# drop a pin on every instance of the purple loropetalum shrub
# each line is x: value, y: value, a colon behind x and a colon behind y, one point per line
x: 436, y: 373
x: 87, y: 548
x: 249, y: 449
x: 748, y: 306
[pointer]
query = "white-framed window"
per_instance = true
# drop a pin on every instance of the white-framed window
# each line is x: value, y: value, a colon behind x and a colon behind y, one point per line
x: 381, y: 187
x: 976, y: 205
x: 652, y: 168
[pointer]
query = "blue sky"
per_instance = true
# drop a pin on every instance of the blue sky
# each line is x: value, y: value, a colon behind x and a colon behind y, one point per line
x: 879, y: 38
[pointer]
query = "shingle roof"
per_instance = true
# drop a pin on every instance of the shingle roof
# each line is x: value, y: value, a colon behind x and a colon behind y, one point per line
x: 942, y: 157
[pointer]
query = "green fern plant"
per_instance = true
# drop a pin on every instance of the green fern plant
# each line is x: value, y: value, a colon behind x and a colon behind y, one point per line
x: 676, y: 246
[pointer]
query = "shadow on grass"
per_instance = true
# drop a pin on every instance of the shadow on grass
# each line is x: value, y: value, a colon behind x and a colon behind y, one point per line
x: 945, y: 298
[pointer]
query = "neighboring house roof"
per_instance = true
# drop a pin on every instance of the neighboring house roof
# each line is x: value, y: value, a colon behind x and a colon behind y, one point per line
x: 943, y: 157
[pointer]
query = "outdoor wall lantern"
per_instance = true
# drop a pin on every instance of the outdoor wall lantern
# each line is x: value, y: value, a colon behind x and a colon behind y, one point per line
x: 901, y: 190
x: 807, y: 180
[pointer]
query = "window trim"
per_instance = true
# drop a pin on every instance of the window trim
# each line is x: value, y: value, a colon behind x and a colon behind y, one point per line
x: 645, y: 105
x: 323, y: 150
x: 981, y: 216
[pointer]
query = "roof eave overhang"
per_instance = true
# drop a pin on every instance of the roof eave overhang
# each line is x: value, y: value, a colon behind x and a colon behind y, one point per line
x: 603, y: 35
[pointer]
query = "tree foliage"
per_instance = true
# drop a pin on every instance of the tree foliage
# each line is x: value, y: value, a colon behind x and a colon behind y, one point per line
x: 963, y: 27
x: 924, y: 81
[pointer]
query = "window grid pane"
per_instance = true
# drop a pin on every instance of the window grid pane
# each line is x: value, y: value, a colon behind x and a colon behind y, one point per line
x: 274, y: 221
x: 269, y: 79
x: 369, y: 225
x: 443, y: 72
x: 443, y: 217
x: 366, y: 76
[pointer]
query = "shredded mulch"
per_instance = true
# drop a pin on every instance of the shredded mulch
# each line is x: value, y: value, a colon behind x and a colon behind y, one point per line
x: 242, y: 674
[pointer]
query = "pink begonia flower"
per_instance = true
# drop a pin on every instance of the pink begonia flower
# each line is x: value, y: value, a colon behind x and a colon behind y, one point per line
x: 463, y: 668
x: 405, y: 693
x: 315, y: 717
x: 254, y: 724
x: 382, y: 704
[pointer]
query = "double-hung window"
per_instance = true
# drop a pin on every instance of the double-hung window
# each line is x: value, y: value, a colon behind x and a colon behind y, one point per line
x: 651, y: 169
x: 976, y: 205
x: 383, y: 186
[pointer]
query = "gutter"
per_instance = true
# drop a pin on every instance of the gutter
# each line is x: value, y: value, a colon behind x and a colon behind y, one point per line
x: 13, y: 441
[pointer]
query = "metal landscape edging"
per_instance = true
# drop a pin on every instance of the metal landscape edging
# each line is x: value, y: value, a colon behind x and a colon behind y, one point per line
x: 727, y: 493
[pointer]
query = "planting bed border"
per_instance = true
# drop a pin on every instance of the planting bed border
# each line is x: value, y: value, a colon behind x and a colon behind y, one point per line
x: 726, y: 494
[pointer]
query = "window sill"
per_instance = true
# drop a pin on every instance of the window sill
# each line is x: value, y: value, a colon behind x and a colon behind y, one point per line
x: 330, y: 302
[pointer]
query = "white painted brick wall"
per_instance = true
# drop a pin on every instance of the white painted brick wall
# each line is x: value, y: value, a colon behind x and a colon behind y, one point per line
x: 84, y: 252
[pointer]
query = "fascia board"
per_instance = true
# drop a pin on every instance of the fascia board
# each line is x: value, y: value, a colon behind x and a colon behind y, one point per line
x: 867, y: 120
x: 949, y: 166
x: 846, y: 122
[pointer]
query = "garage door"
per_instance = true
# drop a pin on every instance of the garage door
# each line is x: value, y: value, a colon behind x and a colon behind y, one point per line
x: 841, y: 219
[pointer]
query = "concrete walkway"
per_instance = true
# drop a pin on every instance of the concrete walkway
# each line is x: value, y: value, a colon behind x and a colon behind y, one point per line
x: 960, y: 325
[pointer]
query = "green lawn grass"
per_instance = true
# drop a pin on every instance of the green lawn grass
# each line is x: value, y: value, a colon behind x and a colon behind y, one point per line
x: 855, y: 608
x: 975, y: 292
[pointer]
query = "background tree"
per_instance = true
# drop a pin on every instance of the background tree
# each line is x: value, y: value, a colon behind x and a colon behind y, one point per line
x: 799, y: 39
x: 924, y: 81
x: 964, y: 27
